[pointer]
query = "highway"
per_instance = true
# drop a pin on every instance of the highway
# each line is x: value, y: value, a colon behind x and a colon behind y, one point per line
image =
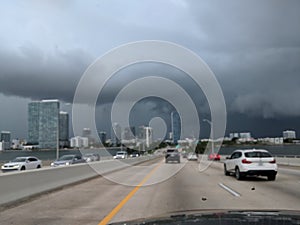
x: 148, y: 194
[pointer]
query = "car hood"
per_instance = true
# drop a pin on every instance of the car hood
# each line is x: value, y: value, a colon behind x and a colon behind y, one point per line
x: 13, y: 163
x: 224, y: 217
x: 61, y: 162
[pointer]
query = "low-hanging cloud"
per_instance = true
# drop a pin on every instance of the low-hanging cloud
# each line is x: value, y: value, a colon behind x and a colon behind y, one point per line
x: 30, y: 72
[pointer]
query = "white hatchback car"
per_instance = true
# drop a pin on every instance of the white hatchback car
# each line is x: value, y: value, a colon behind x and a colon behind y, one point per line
x: 257, y: 162
x: 22, y: 163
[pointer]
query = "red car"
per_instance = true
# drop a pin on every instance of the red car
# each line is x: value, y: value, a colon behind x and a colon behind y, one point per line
x: 214, y: 156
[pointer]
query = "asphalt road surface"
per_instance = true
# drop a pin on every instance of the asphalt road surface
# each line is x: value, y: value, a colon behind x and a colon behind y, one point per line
x: 155, y: 188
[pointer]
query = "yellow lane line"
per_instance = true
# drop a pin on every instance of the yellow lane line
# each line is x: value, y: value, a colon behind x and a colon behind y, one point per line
x: 129, y: 196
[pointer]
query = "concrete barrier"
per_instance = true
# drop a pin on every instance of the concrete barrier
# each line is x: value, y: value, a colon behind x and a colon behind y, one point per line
x: 21, y: 185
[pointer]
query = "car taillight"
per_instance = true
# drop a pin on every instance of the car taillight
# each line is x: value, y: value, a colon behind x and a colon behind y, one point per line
x: 245, y: 161
x: 273, y: 161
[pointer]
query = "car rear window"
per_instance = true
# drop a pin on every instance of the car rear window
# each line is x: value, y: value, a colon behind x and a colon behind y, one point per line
x: 257, y: 154
x: 170, y: 150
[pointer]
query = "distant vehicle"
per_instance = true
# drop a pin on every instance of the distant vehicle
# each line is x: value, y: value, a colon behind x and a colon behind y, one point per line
x: 133, y: 155
x: 172, y: 155
x: 192, y: 156
x: 22, y: 163
x: 214, y: 157
x: 121, y: 155
x: 91, y: 157
x: 257, y: 162
x: 68, y: 160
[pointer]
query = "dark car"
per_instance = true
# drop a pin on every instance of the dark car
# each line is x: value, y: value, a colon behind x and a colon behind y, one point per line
x: 68, y: 160
x: 172, y: 155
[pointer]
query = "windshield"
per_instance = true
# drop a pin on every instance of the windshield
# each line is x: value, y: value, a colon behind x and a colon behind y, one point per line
x: 19, y: 160
x: 130, y: 109
x: 66, y: 157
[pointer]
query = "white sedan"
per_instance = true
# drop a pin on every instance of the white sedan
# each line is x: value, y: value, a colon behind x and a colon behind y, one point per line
x: 22, y: 163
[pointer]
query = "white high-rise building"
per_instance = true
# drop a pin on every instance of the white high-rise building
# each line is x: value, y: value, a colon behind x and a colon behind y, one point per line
x: 79, y: 142
x: 148, y: 136
x: 289, y: 134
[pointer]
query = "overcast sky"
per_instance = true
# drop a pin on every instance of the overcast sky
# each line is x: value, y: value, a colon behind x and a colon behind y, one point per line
x: 253, y: 48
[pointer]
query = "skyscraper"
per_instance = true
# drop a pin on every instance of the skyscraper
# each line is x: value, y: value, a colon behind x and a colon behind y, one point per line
x: 129, y: 133
x: 102, y: 136
x: 5, y: 139
x: 64, y: 129
x: 48, y: 123
x: 33, y: 122
x: 175, y: 126
x: 116, y: 133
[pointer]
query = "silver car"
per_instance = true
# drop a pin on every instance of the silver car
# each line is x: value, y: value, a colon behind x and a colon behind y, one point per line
x: 67, y: 160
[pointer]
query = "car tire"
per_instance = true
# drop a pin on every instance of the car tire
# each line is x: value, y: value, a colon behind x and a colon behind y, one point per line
x: 38, y: 167
x: 272, y: 177
x: 178, y: 161
x: 238, y: 174
x: 225, y: 171
x: 23, y: 168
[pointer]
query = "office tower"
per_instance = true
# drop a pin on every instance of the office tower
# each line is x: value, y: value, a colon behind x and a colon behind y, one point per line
x: 48, y: 124
x: 64, y: 129
x: 129, y: 133
x: 33, y: 123
x: 86, y: 132
x: 5, y: 139
x: 102, y: 136
x: 116, y: 133
x: 141, y: 133
x: 79, y: 142
x: 175, y: 126
x: 289, y: 134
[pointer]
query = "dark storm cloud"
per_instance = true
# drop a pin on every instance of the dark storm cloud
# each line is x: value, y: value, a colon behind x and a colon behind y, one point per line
x: 30, y: 72
x: 254, y: 49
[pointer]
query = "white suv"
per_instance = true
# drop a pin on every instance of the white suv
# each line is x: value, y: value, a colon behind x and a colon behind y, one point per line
x: 251, y: 162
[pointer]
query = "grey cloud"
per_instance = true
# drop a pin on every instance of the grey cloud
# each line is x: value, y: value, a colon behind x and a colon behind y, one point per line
x: 32, y: 73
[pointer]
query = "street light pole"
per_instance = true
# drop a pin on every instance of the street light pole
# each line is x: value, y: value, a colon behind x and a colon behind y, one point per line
x: 57, y: 138
x: 212, y: 135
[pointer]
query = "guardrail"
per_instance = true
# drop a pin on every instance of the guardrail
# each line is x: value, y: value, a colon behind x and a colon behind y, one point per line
x: 25, y: 184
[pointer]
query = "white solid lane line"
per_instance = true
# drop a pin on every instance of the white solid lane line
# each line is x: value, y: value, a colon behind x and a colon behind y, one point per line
x: 234, y: 193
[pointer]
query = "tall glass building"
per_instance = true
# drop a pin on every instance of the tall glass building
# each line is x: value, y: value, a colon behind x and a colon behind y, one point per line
x: 48, y: 123
x: 116, y: 134
x: 45, y: 120
x: 33, y: 122
x: 64, y: 129
x: 5, y: 139
x: 176, y: 126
